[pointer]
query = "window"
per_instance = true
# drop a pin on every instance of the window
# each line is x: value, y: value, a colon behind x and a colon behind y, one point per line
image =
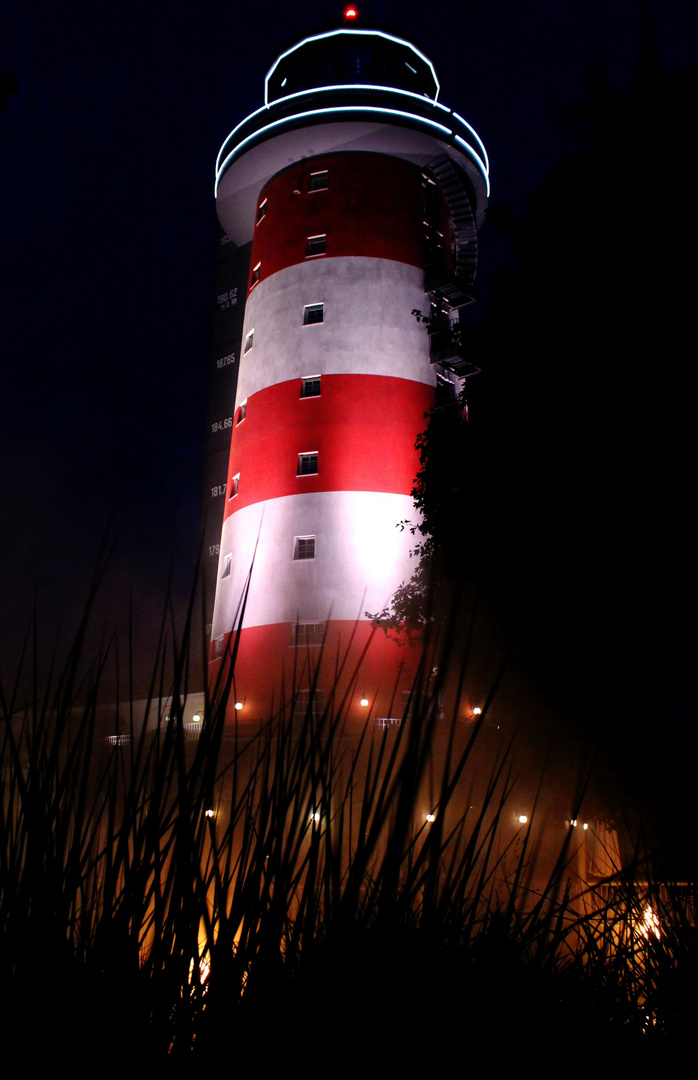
x: 317, y: 245
x: 227, y: 565
x: 249, y: 341
x: 313, y: 313
x: 307, y: 464
x: 234, y: 485
x: 308, y: 701
x: 319, y: 181
x: 416, y: 704
x: 310, y: 386
x: 261, y: 210
x: 307, y: 633
x: 255, y: 275
x: 303, y: 547
x: 410, y: 704
x: 242, y: 412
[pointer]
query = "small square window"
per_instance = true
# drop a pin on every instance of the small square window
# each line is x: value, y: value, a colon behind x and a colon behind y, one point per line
x: 308, y: 701
x: 255, y: 274
x: 261, y: 210
x: 307, y: 464
x: 414, y: 704
x: 234, y: 485
x: 227, y: 565
x: 303, y: 547
x: 307, y: 633
x: 310, y: 387
x: 319, y: 181
x: 249, y: 340
x: 313, y: 313
x: 242, y: 412
x: 317, y: 245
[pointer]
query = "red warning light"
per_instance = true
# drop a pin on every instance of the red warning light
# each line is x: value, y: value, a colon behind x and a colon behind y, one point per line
x: 350, y: 13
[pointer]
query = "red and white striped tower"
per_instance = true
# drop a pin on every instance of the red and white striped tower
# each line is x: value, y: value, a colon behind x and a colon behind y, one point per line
x: 360, y: 194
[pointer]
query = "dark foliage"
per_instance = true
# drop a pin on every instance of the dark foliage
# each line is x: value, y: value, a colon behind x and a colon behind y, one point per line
x: 162, y: 898
x: 566, y: 496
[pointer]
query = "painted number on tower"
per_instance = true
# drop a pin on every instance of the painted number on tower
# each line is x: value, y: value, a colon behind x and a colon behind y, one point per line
x: 227, y: 299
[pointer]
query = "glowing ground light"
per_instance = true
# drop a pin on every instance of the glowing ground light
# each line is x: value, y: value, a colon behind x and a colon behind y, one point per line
x: 523, y: 819
x: 209, y: 812
x: 238, y: 705
x: 351, y: 13
x: 364, y: 702
x: 477, y: 711
x: 315, y: 816
x: 196, y: 718
x: 431, y: 817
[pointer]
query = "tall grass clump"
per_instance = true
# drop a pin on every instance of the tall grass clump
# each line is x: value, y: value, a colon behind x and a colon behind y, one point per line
x: 276, y: 897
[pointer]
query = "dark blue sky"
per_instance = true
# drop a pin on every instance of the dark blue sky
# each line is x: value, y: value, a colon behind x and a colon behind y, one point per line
x: 108, y: 150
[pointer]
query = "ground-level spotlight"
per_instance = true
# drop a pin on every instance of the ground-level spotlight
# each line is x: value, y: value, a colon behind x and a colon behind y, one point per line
x: 196, y: 718
x: 364, y: 702
x: 238, y: 705
x: 210, y: 812
x: 477, y: 711
x: 431, y: 817
x: 523, y: 818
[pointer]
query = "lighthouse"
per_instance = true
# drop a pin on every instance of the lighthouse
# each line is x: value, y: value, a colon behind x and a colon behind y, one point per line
x: 357, y: 194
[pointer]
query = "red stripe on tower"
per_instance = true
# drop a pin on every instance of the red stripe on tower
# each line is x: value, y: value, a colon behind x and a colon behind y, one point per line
x: 374, y: 217
x: 360, y: 426
x: 363, y: 204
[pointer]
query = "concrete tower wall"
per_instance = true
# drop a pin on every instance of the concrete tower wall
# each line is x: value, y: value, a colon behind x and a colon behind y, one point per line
x: 231, y: 275
x: 342, y: 316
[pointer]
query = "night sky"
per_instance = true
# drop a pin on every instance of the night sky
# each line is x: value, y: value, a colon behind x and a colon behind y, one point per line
x: 108, y: 151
